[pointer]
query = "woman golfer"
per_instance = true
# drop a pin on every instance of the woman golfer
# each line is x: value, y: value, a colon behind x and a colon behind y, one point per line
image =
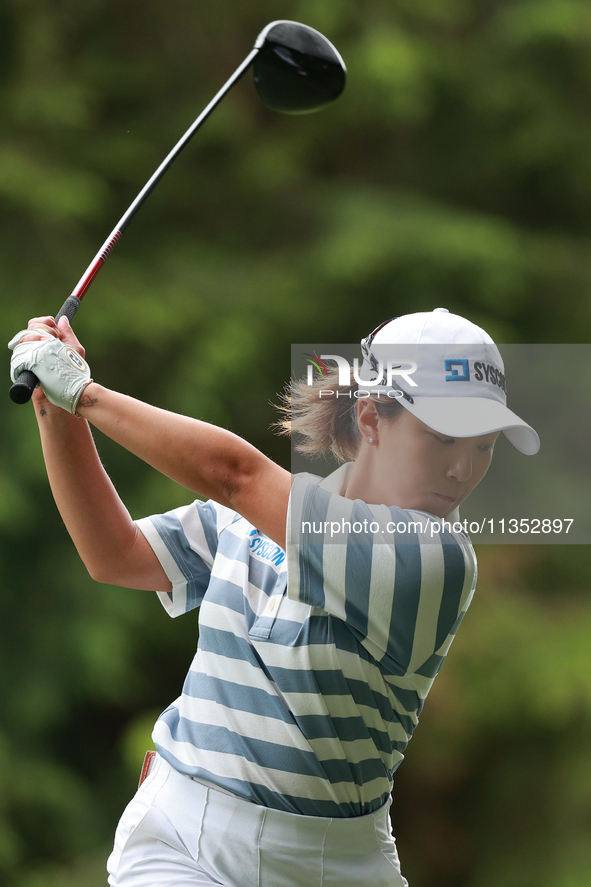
x: 323, y: 622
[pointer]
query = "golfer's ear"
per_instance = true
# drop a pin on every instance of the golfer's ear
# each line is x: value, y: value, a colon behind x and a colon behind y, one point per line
x: 367, y: 418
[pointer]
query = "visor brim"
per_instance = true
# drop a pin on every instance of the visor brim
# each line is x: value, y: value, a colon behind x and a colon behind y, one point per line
x: 473, y: 417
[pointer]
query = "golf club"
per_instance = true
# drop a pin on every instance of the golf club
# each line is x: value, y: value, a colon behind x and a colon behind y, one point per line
x: 296, y: 70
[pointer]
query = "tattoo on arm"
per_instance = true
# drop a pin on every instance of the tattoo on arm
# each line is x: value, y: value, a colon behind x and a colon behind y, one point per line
x: 43, y: 412
x: 87, y: 401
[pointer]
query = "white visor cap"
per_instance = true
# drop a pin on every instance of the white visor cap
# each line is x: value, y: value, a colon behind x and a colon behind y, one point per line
x: 447, y: 372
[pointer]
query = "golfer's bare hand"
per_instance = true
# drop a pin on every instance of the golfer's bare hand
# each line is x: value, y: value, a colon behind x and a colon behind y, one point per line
x: 61, y: 330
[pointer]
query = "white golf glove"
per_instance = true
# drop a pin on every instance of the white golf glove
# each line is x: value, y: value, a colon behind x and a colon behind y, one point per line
x: 61, y: 371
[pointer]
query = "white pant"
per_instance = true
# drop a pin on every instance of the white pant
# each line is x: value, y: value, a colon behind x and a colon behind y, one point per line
x: 177, y: 832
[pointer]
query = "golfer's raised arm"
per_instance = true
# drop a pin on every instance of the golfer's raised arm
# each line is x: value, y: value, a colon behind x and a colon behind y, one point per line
x: 108, y: 541
x: 208, y: 460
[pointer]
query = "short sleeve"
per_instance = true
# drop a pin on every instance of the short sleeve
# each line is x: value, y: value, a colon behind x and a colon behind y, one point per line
x: 185, y: 542
x: 401, y: 580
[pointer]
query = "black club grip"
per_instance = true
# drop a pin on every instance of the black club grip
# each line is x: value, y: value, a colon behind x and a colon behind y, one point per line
x: 26, y: 383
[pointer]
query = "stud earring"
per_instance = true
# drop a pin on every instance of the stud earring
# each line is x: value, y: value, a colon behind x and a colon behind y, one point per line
x: 370, y: 439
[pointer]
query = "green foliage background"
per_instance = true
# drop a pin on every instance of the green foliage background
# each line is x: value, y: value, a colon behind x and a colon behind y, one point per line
x: 454, y: 171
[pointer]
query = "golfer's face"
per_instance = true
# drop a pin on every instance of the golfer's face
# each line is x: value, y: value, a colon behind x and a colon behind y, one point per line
x: 425, y: 470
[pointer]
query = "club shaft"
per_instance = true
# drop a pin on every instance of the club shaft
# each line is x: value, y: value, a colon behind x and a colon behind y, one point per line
x: 23, y: 388
x: 99, y: 260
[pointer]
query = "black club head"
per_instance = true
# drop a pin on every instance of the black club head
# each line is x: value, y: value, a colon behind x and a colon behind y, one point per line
x: 297, y: 70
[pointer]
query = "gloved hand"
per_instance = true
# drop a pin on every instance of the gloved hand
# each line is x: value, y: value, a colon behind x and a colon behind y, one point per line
x: 61, y: 371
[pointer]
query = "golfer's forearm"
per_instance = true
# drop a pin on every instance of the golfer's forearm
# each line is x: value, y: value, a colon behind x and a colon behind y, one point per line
x: 203, y: 458
x: 95, y: 517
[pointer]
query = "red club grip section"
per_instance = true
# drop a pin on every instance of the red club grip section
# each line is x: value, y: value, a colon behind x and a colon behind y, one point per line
x: 91, y: 273
x: 93, y: 269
